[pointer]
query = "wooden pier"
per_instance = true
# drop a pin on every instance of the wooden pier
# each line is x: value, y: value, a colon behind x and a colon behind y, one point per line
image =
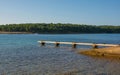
x: 74, y: 44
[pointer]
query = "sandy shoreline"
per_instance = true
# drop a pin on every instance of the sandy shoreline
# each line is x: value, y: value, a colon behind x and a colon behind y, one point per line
x: 15, y: 33
x: 103, y: 52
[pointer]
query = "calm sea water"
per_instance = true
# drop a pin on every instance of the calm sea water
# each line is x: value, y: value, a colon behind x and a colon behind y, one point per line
x: 21, y: 54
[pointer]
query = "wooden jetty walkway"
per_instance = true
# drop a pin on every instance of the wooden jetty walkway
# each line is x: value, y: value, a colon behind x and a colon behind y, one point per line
x: 74, y: 44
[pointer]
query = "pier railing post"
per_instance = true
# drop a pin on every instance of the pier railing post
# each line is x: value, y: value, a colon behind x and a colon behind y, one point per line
x: 94, y: 46
x: 42, y: 43
x: 74, y: 45
x: 57, y: 44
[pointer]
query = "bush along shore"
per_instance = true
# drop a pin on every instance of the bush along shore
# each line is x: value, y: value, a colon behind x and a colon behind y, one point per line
x: 58, y: 28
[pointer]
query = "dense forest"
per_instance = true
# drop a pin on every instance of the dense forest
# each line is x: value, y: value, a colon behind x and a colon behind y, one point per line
x: 58, y: 28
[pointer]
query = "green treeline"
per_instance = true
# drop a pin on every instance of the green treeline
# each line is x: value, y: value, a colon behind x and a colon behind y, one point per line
x: 58, y: 28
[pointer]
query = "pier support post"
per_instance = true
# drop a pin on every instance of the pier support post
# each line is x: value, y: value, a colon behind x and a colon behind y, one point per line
x: 74, y: 45
x: 57, y: 44
x: 94, y: 46
x: 42, y: 43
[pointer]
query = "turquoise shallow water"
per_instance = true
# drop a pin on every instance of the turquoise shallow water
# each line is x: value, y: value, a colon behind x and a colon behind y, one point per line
x: 20, y: 54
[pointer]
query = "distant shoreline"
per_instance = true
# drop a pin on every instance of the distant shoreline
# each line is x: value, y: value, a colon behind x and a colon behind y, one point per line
x: 59, y: 28
x: 4, y: 32
x: 16, y: 33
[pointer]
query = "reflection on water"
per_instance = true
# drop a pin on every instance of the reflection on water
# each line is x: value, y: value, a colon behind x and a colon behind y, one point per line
x: 22, y: 55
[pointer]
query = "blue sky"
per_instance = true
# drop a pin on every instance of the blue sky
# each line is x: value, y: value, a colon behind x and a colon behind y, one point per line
x: 95, y: 12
